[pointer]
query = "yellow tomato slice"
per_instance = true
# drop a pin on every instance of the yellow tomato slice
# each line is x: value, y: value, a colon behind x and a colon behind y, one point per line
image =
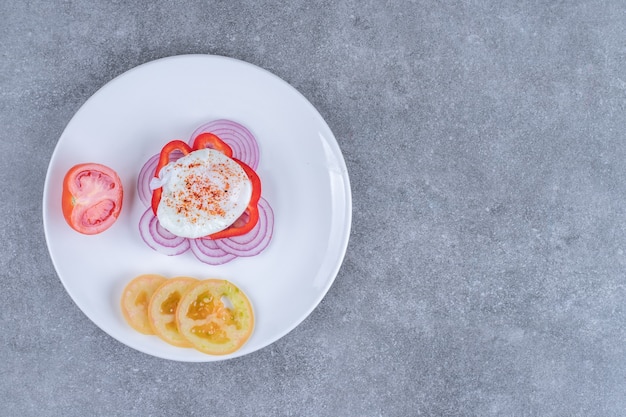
x: 162, y: 309
x: 215, y: 316
x: 136, y: 299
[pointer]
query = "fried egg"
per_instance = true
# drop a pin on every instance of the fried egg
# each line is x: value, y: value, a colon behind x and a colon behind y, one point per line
x: 203, y: 192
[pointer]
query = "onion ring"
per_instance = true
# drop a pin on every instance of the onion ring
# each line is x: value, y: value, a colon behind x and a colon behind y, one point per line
x: 207, y: 251
x: 238, y: 137
x: 255, y: 241
x: 160, y: 239
x: 143, y: 181
x: 147, y: 173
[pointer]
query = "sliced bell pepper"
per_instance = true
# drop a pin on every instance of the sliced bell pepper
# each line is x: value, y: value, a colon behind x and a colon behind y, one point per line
x: 252, y: 209
x: 164, y: 159
x: 209, y: 140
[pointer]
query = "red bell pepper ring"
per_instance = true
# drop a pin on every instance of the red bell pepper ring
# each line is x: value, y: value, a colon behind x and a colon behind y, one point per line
x: 252, y: 209
x: 209, y: 140
x: 164, y: 159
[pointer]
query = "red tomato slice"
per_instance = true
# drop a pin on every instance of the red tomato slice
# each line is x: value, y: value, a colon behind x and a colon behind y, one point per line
x: 92, y: 198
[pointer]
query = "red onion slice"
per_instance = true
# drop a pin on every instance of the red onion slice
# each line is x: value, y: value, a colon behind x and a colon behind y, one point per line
x: 143, y: 181
x: 208, y: 252
x: 257, y: 239
x: 147, y: 173
x: 160, y: 239
x: 238, y: 137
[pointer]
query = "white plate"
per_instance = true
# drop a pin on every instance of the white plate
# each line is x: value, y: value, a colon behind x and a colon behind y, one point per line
x: 301, y: 167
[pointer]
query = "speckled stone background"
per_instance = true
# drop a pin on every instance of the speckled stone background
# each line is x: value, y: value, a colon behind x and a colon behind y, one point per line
x: 486, y: 273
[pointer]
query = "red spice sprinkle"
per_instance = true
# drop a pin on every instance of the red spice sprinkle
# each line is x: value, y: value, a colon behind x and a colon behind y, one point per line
x: 201, y: 194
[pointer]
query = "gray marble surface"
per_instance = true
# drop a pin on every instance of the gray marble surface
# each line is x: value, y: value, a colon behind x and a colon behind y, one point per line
x: 486, y: 273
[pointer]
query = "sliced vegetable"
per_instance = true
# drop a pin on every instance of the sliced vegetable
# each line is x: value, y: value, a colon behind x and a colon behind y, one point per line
x: 162, y: 309
x: 212, y: 252
x: 207, y: 251
x: 209, y: 140
x: 255, y: 241
x: 252, y: 210
x: 147, y: 174
x: 160, y: 239
x: 92, y: 198
x: 238, y: 137
x: 164, y: 159
x: 215, y: 316
x: 136, y: 299
x: 143, y: 180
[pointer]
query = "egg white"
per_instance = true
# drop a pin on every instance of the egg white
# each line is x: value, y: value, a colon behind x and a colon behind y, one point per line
x: 203, y: 192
